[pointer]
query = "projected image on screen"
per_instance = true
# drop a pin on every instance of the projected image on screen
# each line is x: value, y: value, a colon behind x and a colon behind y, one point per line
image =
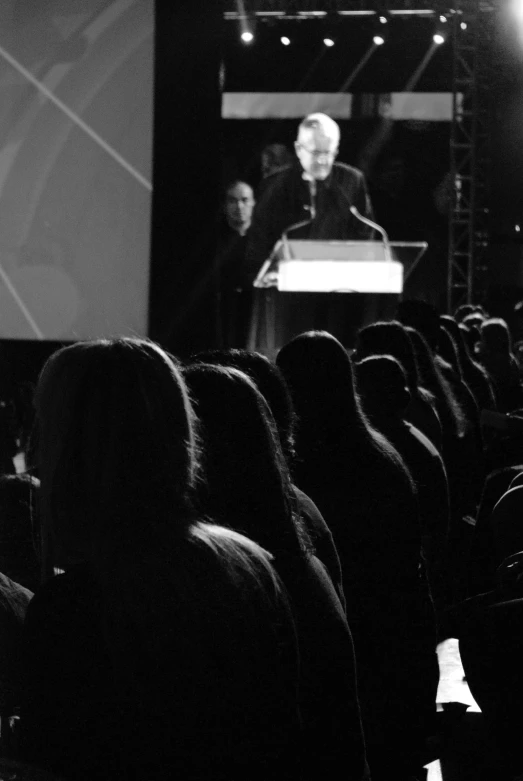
x: 76, y: 82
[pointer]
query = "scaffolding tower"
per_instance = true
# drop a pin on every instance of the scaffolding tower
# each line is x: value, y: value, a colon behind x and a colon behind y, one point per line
x: 472, y: 35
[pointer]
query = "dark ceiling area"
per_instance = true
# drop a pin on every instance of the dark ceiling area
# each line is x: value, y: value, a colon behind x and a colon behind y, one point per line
x: 307, y: 65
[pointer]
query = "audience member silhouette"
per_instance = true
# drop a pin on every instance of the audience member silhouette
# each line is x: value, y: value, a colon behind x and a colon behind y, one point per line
x: 391, y: 338
x: 18, y: 530
x: 269, y: 381
x: 385, y: 395
x: 476, y: 377
x: 19, y: 576
x: 366, y: 495
x: 491, y: 643
x: 167, y: 648
x: 495, y: 353
x: 481, y: 560
x: 248, y: 486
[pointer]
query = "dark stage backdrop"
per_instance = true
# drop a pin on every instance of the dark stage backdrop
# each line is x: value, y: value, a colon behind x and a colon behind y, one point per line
x: 186, y: 172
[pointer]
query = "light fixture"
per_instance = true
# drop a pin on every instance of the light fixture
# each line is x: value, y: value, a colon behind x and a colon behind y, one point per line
x: 329, y: 42
x: 380, y: 25
x: 247, y: 36
x: 440, y: 31
x: 285, y: 40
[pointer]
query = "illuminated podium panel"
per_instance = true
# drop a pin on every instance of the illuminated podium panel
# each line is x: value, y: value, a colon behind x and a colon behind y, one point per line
x: 337, y: 267
x: 334, y: 276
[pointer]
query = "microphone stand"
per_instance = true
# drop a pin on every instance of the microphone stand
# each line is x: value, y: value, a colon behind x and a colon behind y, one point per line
x: 374, y: 225
x: 284, y: 237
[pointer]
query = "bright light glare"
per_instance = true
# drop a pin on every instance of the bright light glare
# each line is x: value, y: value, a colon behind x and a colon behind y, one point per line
x: 328, y: 42
x: 247, y: 37
x: 438, y: 39
x: 516, y: 10
x: 378, y: 40
x: 443, y: 19
x: 463, y: 25
x: 383, y: 19
x: 285, y: 41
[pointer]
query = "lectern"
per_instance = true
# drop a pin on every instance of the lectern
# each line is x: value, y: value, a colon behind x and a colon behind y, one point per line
x: 311, y: 266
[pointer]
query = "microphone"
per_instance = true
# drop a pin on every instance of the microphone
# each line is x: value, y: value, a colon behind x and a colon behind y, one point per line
x: 312, y: 193
x: 258, y: 282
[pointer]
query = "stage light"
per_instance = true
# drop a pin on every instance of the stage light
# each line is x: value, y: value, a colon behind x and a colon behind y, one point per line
x: 285, y: 41
x: 380, y: 31
x: 438, y: 39
x: 247, y: 36
x: 329, y: 42
x: 443, y: 19
x: 463, y: 25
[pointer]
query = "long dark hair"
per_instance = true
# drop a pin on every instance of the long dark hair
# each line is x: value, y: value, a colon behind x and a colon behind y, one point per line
x: 331, y: 422
x: 118, y: 449
x: 247, y: 483
x: 269, y: 381
x: 391, y: 338
x: 451, y: 414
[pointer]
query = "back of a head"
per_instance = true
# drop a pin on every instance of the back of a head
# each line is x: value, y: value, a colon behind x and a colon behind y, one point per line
x: 318, y: 372
x: 273, y: 157
x: 333, y: 431
x: 117, y: 448
x: 473, y: 319
x: 315, y: 363
x: 423, y: 317
x: 495, y: 336
x: 246, y: 477
x: 389, y: 338
x: 464, y: 310
x: 269, y: 381
x: 383, y: 386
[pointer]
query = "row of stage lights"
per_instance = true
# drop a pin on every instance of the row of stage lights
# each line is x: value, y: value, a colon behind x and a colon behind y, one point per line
x: 380, y: 35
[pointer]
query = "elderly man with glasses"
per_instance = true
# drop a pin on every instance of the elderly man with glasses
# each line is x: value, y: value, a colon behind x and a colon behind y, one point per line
x: 316, y: 190
x: 309, y: 199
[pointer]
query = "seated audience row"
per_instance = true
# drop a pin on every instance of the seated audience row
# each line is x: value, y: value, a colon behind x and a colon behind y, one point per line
x: 246, y: 567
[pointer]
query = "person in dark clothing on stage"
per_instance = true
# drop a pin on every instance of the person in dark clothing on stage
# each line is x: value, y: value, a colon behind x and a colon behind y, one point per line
x: 311, y: 199
x: 315, y: 189
x: 233, y: 286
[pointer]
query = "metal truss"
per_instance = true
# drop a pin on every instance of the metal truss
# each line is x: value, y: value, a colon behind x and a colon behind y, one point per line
x: 299, y: 9
x: 472, y: 24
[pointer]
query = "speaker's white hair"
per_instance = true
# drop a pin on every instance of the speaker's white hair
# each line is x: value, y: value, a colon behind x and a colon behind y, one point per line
x: 325, y: 124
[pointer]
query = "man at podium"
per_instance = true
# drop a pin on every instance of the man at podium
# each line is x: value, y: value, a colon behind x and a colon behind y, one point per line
x: 310, y: 199
x: 314, y: 194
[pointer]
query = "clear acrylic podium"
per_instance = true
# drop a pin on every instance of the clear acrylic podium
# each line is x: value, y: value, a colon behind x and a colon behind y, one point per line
x: 331, y: 267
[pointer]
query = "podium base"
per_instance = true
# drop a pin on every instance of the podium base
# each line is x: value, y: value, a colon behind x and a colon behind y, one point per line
x: 280, y: 316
